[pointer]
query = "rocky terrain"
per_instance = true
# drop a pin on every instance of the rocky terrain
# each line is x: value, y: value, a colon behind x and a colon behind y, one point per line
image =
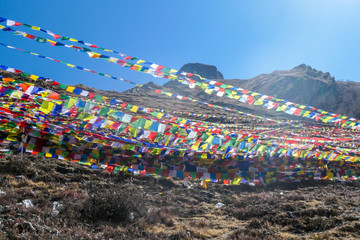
x: 43, y: 198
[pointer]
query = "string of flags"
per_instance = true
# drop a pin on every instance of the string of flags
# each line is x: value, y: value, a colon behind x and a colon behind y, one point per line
x: 185, y: 171
x: 269, y: 105
x: 135, y: 108
x: 73, y: 124
x: 245, y: 96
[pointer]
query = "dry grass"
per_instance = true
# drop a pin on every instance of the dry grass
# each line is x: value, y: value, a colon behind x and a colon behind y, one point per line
x: 96, y: 204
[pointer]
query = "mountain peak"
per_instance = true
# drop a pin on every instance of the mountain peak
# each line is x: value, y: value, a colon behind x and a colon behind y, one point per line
x: 302, y: 66
x: 204, y: 70
x: 312, y: 72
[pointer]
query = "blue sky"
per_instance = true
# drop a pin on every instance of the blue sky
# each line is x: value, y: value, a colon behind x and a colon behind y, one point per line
x: 242, y: 38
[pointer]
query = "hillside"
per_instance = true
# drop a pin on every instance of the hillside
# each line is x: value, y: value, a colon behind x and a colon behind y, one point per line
x: 43, y: 198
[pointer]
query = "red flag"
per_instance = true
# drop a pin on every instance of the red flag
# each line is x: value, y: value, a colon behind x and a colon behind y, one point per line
x: 123, y: 105
x: 121, y: 62
x: 297, y: 112
x: 91, y: 95
x: 152, y: 136
x: 30, y: 36
x: 160, y: 67
x: 56, y: 36
x: 76, y: 47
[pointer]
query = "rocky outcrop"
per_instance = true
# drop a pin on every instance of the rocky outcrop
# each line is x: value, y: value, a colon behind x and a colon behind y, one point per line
x: 204, y: 70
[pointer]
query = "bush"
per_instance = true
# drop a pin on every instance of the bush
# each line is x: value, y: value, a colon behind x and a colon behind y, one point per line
x: 331, y: 200
x: 13, y: 165
x: 113, y: 205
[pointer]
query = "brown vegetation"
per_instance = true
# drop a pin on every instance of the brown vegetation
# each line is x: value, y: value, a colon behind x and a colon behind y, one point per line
x: 71, y: 201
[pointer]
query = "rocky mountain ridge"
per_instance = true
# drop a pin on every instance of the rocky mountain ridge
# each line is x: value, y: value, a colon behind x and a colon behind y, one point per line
x: 302, y: 84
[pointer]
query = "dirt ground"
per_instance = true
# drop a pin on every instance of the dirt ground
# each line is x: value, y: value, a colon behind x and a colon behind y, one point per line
x: 43, y: 198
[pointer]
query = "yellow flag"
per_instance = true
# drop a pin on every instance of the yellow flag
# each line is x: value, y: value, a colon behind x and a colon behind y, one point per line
x: 147, y: 124
x: 330, y: 175
x: 45, y: 94
x: 108, y: 123
x: 34, y: 77
x: 183, y: 121
x: 195, y: 146
x: 327, y: 119
x: 70, y: 89
x: 16, y: 94
x: 113, y: 60
x: 12, y: 137
x: 307, y: 113
x: 173, y: 77
x: 47, y: 107
x: 204, y: 85
x: 259, y: 102
x: 237, y: 97
x: 208, y: 91
x: 72, y: 102
x: 35, y: 28
x: 51, y: 41
x: 134, y: 108
x: 236, y: 180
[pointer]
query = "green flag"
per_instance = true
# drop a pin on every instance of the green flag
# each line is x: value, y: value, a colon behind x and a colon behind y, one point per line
x: 40, y: 40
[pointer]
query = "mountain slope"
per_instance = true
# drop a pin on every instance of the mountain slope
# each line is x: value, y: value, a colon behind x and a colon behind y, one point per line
x: 302, y: 84
x: 308, y: 86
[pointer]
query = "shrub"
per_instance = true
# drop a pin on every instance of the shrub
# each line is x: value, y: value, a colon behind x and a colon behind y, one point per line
x: 113, y: 205
x: 331, y: 200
